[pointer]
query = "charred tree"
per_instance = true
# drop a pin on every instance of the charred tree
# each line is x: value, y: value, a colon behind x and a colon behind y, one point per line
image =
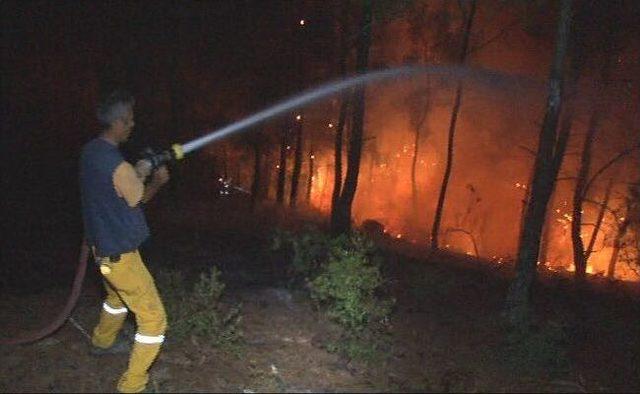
x: 599, y: 219
x: 337, y: 168
x: 543, y: 256
x: 312, y: 159
x: 452, y: 129
x: 342, y: 117
x: 257, y: 175
x: 617, y: 245
x: 297, y: 164
x: 282, y: 166
x: 421, y: 103
x: 341, y: 222
x: 414, y: 164
x: 631, y: 214
x: 547, y: 163
x: 580, y: 191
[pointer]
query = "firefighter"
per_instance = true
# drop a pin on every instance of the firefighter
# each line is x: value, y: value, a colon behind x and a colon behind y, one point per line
x: 112, y: 193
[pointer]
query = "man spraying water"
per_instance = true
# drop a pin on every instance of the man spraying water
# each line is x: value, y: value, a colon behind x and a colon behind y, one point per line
x: 112, y: 191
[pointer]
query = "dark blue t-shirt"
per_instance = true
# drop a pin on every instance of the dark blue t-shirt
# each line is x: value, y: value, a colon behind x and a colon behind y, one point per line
x: 110, y: 224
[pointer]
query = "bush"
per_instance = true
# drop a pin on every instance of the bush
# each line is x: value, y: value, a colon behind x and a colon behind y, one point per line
x: 343, y: 277
x: 307, y: 251
x: 199, y: 312
x: 349, y: 284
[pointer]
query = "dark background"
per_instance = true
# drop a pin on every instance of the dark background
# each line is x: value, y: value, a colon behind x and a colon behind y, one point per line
x: 59, y: 57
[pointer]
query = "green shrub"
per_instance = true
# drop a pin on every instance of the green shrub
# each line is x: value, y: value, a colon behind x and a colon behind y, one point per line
x: 349, y: 284
x: 308, y: 250
x: 198, y: 312
x: 344, y: 278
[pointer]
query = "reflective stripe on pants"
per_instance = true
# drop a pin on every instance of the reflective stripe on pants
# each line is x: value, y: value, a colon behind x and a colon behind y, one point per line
x: 129, y: 281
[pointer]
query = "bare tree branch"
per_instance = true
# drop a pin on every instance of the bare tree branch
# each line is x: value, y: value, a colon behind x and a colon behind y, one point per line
x: 602, y: 169
x: 461, y: 230
x: 495, y: 37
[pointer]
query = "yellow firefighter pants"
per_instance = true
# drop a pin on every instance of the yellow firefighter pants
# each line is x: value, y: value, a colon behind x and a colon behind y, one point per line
x: 130, y: 286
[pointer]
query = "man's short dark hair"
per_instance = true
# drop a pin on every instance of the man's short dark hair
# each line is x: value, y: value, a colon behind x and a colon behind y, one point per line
x: 113, y: 106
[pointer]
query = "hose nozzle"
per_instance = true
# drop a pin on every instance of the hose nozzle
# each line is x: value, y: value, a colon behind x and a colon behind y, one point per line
x: 177, y: 151
x: 158, y: 159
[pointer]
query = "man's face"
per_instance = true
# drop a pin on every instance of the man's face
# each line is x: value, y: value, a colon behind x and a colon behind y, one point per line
x: 125, y: 125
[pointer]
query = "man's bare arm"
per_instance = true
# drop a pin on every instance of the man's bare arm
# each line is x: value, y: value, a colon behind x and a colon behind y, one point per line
x: 158, y: 179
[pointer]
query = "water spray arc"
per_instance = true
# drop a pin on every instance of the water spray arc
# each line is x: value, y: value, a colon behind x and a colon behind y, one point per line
x: 178, y: 151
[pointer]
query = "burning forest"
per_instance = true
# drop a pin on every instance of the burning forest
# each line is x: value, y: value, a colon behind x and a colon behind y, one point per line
x: 404, y: 150
x: 384, y: 164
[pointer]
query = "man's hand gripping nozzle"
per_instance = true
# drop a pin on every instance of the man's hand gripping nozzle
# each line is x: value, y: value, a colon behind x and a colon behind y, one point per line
x: 158, y: 159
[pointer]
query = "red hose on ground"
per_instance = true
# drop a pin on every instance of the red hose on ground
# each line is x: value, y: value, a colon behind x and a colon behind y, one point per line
x: 62, y: 317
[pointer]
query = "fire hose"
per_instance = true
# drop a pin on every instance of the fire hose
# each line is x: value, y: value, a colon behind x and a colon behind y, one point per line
x: 62, y: 316
x: 178, y: 151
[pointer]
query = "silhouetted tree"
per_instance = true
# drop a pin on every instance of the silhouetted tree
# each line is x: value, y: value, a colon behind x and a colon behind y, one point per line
x: 628, y: 218
x: 311, y: 175
x: 548, y: 159
x: 297, y: 163
x: 282, y: 165
x: 256, y: 144
x: 341, y: 31
x: 342, y: 218
x: 598, y: 224
x: 452, y: 129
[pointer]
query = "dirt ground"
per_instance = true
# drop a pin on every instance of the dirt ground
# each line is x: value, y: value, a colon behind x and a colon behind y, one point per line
x: 444, y: 335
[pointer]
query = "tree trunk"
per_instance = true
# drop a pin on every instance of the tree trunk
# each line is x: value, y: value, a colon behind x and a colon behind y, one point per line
x: 617, y: 245
x: 282, y: 166
x: 342, y: 117
x: 310, y: 178
x: 600, y: 218
x: 255, y: 185
x: 297, y: 165
x: 435, y: 230
x: 337, y: 168
x: 416, y: 150
x: 342, y: 223
x: 579, y: 259
x: 580, y: 192
x: 518, y: 298
x: 544, y: 240
x: 452, y: 129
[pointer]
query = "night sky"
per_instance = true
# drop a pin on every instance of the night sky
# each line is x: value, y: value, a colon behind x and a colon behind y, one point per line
x: 59, y: 56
